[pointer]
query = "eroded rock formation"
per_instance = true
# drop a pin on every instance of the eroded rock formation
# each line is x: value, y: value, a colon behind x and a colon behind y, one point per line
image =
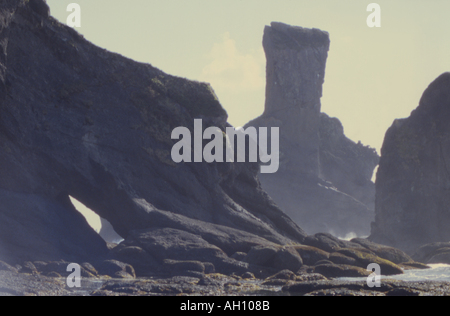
x: 413, y: 180
x: 78, y: 120
x: 324, y: 181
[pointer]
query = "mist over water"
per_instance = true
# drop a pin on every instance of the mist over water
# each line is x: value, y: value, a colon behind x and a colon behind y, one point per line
x: 348, y: 236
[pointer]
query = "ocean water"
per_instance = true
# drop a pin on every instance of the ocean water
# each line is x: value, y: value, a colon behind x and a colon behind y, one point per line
x: 437, y: 272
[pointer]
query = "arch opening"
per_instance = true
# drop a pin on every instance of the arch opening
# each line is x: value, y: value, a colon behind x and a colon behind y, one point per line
x: 98, y: 224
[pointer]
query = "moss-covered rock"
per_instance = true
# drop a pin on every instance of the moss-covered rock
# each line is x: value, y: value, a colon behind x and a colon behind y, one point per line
x: 311, y: 255
x: 341, y: 271
x: 363, y: 259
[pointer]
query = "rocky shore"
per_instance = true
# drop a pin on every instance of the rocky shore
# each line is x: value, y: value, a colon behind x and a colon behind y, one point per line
x: 264, y: 271
x: 284, y: 283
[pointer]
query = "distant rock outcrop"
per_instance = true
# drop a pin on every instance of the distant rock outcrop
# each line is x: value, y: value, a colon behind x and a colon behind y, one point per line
x: 324, y: 181
x: 413, y: 180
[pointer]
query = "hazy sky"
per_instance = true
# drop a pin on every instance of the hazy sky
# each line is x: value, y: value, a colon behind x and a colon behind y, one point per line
x: 373, y: 75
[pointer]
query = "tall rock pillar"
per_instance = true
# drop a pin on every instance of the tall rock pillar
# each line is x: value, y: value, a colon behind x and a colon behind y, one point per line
x: 324, y: 179
x: 296, y: 60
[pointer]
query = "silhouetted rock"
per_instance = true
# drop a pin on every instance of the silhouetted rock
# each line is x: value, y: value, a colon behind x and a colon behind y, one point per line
x: 40, y: 7
x: 296, y: 59
x: 438, y: 252
x: 324, y: 180
x: 413, y: 180
x: 78, y: 120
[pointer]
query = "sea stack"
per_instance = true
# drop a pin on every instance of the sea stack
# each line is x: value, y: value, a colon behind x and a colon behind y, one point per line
x: 413, y: 180
x: 324, y: 180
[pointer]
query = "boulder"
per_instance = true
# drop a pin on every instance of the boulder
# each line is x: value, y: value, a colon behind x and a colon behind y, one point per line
x: 442, y: 257
x: 277, y: 258
x: 144, y: 264
x: 363, y: 259
x: 341, y: 271
x: 261, y: 255
x: 116, y: 269
x: 173, y: 244
x: 59, y: 269
x: 389, y: 253
x: 310, y: 255
x: 187, y: 268
x: 425, y: 252
x: 283, y: 275
x: 413, y: 180
x: 339, y: 258
x: 287, y: 258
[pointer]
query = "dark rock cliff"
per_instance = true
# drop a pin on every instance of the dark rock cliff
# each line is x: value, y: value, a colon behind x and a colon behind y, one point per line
x: 413, y: 180
x: 78, y: 120
x: 324, y: 180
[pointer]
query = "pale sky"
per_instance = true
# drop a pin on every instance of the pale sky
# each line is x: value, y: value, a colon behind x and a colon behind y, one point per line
x: 373, y: 75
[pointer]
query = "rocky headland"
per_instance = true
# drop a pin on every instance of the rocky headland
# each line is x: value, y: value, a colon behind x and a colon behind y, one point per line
x: 77, y: 120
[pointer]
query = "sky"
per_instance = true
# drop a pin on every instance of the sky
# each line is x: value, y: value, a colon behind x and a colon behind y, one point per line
x: 373, y: 75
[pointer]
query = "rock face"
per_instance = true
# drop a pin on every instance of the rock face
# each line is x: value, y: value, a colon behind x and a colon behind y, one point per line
x: 76, y: 120
x: 324, y: 181
x: 296, y: 59
x: 413, y: 180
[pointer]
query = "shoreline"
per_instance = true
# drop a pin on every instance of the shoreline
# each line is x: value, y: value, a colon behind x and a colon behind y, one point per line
x: 218, y: 285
